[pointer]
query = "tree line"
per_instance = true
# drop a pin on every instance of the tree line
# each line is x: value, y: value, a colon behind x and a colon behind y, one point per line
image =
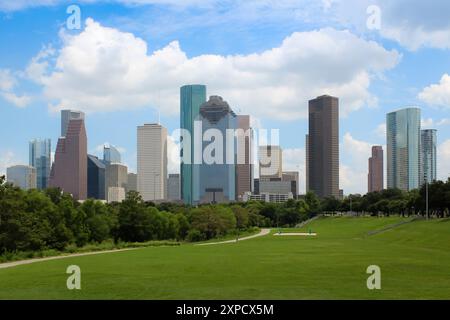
x: 395, y: 201
x: 36, y: 220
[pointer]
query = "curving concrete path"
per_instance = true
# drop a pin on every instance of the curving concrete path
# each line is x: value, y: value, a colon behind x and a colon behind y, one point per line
x: 5, y: 265
x: 22, y: 262
x: 263, y: 232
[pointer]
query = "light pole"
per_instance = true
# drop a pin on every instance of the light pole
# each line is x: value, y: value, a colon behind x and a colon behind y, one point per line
x: 426, y: 197
x: 351, y: 211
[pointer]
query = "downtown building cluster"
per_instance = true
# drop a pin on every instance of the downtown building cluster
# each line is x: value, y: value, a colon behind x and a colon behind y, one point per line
x: 227, y: 173
x: 411, y: 153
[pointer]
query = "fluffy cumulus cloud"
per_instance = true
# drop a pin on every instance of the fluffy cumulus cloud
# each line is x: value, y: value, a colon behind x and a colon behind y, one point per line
x: 437, y: 94
x: 8, y: 83
x: 354, y: 166
x: 6, y: 160
x: 443, y: 163
x: 294, y: 160
x: 412, y: 23
x: 104, y: 69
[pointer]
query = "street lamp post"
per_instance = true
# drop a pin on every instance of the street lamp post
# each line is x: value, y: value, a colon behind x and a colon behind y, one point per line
x: 426, y: 198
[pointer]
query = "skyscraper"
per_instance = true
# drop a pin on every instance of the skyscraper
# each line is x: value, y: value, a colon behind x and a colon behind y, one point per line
x: 173, y: 187
x: 428, y: 156
x: 152, y: 161
x: 294, y: 179
x: 191, y: 98
x: 376, y: 169
x: 40, y: 159
x: 217, y: 177
x: 22, y: 176
x: 403, y: 149
x: 116, y: 176
x: 307, y: 163
x: 96, y: 178
x: 66, y: 116
x: 244, y: 165
x: 111, y: 154
x: 132, y: 182
x: 270, y: 163
x: 323, y: 146
x: 69, y: 170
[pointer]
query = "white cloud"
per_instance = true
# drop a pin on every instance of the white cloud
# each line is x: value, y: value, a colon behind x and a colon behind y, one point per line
x: 173, y: 155
x: 427, y: 123
x: 381, y: 130
x: 6, y: 160
x: 294, y: 160
x: 276, y: 83
x: 354, y: 164
x: 412, y: 23
x: 437, y: 94
x: 8, y: 82
x: 444, y: 122
x: 18, y: 101
x: 443, y: 161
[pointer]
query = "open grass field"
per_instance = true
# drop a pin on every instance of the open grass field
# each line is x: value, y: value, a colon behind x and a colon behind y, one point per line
x: 414, y: 260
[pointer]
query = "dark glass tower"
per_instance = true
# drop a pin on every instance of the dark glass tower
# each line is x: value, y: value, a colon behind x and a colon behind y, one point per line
x: 323, y: 146
x: 96, y: 178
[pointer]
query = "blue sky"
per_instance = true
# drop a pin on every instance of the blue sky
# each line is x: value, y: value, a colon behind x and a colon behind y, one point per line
x: 266, y: 58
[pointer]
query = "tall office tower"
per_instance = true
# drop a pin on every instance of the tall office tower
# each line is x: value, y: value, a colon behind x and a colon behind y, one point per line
x: 111, y: 154
x: 116, y: 176
x: 152, y: 162
x: 132, y: 182
x: 376, y: 170
x: 323, y: 146
x: 293, y: 177
x: 270, y: 163
x: 96, y: 178
x: 403, y: 149
x: 428, y: 142
x: 40, y: 159
x: 217, y: 173
x: 66, y: 116
x: 22, y: 176
x: 69, y: 170
x: 244, y: 165
x: 173, y: 187
x: 307, y: 163
x: 191, y: 98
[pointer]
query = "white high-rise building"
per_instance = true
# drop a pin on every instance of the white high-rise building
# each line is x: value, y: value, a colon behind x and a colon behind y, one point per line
x: 152, y: 162
x: 270, y: 162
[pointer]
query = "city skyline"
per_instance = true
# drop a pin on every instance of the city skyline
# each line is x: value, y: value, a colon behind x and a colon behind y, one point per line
x: 375, y: 74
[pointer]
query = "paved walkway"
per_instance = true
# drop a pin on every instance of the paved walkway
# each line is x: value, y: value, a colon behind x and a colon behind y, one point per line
x: 302, y: 234
x: 21, y: 262
x: 263, y: 232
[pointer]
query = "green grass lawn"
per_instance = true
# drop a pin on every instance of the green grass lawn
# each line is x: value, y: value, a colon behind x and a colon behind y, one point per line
x: 414, y: 260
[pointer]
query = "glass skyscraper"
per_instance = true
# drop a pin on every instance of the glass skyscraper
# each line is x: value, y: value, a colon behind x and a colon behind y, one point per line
x: 96, y: 178
x: 403, y: 149
x: 217, y: 180
x: 111, y: 154
x: 40, y: 159
x: 428, y: 155
x: 191, y: 98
